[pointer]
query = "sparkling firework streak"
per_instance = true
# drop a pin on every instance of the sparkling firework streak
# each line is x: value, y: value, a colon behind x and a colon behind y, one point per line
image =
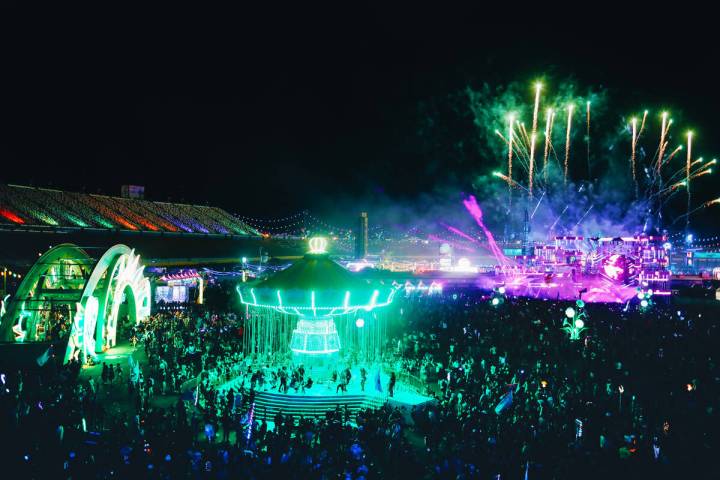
x: 632, y: 157
x: 682, y: 172
x: 674, y: 186
x: 552, y: 227
x: 533, y: 138
x: 588, y: 137
x: 536, y: 206
x: 688, y: 164
x: 510, y: 155
x: 642, y: 125
x: 704, y: 205
x: 583, y: 217
x: 524, y: 138
x: 532, y: 165
x: 700, y: 174
x: 548, y: 130
x: 663, y: 144
x: 510, y: 182
x: 673, y: 153
x: 567, y: 143
x: 520, y: 153
x: 538, y: 87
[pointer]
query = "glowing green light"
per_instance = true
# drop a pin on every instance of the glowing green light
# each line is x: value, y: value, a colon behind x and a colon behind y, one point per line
x: 315, y: 337
x: 317, y: 310
x: 318, y: 245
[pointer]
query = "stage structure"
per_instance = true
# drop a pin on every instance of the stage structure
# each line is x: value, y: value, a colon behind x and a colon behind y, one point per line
x: 71, y: 298
x: 316, y: 312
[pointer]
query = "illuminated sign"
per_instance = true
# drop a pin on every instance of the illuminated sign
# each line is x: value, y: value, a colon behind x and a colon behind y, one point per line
x: 699, y: 255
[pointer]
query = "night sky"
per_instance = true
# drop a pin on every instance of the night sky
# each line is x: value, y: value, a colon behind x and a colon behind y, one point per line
x: 269, y: 113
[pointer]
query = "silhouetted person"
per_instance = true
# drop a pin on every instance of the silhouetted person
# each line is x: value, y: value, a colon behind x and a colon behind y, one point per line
x: 391, y: 384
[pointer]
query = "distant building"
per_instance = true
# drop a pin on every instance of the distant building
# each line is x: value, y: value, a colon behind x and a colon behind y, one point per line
x: 361, y: 236
x: 132, y: 191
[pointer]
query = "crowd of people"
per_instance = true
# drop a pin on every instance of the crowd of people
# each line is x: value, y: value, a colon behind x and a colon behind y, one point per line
x: 636, y: 395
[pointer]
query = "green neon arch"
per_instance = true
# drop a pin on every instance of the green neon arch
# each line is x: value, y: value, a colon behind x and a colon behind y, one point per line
x: 91, y: 291
x: 65, y: 266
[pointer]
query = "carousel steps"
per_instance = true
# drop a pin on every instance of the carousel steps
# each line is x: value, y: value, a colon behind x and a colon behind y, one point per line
x: 321, y: 398
x: 268, y: 404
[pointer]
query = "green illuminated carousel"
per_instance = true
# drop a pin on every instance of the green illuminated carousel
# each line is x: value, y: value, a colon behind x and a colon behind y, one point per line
x: 316, y: 313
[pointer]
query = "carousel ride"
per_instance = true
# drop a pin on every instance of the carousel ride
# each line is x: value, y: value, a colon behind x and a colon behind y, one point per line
x: 319, y: 316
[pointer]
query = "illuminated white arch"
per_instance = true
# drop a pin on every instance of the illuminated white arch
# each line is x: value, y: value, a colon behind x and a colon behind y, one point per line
x: 129, y: 274
x: 105, y: 283
x: 117, y: 269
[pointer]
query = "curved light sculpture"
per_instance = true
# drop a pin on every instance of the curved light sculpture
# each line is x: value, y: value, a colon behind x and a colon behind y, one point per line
x: 91, y: 291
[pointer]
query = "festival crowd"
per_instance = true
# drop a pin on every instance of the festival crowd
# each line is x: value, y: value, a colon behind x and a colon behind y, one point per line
x: 513, y: 397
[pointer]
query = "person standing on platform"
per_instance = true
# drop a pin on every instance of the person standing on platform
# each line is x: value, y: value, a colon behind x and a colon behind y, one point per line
x: 283, y: 381
x: 341, y: 386
x: 348, y: 376
x: 391, y: 384
x: 363, y: 378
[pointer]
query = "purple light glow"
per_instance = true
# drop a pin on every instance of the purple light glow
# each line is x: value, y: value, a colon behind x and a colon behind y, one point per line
x: 613, y: 269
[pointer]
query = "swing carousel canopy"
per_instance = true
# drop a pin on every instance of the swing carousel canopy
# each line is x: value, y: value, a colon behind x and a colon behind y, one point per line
x: 317, y: 286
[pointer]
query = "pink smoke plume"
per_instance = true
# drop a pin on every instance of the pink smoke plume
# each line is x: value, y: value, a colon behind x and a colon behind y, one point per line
x: 464, y: 235
x: 474, y: 209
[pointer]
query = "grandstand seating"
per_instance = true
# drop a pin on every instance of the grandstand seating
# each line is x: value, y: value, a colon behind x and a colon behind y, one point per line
x: 33, y: 207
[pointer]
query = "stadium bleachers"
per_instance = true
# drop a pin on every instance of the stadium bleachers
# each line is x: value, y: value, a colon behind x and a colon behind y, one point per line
x: 32, y: 207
